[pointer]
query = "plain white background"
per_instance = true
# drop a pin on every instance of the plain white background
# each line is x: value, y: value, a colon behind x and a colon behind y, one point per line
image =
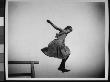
x: 28, y: 32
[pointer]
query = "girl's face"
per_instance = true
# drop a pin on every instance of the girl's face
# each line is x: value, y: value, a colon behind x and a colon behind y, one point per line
x: 68, y: 30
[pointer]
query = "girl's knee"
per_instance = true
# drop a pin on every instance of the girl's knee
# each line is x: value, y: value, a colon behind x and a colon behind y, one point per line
x: 66, y: 57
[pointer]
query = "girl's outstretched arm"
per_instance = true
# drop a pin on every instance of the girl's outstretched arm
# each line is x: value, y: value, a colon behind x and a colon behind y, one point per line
x: 57, y: 28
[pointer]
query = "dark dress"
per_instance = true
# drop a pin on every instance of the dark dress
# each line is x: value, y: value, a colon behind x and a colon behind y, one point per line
x: 57, y: 48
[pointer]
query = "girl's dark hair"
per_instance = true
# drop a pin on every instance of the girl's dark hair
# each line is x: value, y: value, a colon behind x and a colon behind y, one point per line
x: 68, y: 27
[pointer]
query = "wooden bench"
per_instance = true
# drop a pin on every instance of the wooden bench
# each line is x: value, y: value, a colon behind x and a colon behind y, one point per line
x: 32, y: 74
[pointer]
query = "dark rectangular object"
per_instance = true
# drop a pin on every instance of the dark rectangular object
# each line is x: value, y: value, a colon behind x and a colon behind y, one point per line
x: 1, y: 57
x: 2, y: 3
x: 32, y: 74
x: 19, y: 74
x: 23, y: 62
x: 2, y: 34
x: 2, y: 73
x: 2, y: 10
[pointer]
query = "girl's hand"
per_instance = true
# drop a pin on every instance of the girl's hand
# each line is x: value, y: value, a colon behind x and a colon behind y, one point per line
x: 48, y: 21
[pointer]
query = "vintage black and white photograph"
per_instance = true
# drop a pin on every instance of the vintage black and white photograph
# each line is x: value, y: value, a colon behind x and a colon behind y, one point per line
x: 56, y: 39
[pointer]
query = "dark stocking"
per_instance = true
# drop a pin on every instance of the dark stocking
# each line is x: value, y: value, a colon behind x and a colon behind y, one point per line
x: 62, y: 65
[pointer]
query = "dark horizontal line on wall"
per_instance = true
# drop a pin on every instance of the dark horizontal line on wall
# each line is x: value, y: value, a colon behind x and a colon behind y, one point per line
x: 23, y: 62
x: 1, y: 26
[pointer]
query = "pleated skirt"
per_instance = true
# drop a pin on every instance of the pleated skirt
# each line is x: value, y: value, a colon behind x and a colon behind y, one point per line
x: 56, y: 49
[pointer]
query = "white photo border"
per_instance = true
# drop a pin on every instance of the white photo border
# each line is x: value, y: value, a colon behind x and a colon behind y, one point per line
x: 106, y: 45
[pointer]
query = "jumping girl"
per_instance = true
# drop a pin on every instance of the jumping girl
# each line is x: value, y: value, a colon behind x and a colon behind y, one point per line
x: 57, y: 47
